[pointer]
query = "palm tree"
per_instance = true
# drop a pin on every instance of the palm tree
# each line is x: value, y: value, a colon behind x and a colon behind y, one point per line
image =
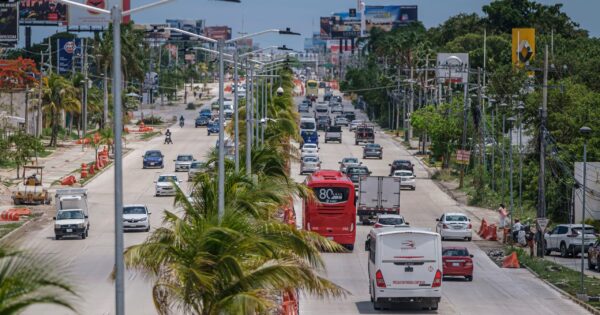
x: 59, y: 95
x: 203, y: 265
x: 27, y: 279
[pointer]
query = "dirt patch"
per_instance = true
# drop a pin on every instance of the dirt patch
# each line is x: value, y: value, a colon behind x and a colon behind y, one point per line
x: 493, y: 249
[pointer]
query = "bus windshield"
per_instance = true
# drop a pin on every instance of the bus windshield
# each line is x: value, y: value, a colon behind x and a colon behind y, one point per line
x: 309, y: 125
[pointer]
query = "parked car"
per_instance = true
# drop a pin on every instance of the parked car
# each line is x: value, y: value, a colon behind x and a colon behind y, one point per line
x: 594, y: 255
x: 213, y: 127
x: 401, y: 165
x: 457, y: 262
x: 183, y: 162
x: 154, y: 159
x: 201, y: 121
x: 195, y: 168
x: 340, y: 121
x: 407, y: 179
x: 566, y: 239
x: 373, y: 150
x: 454, y: 225
x: 348, y: 161
x: 309, y: 164
x: 136, y: 217
x: 389, y: 220
x: 165, y: 185
x: 309, y: 149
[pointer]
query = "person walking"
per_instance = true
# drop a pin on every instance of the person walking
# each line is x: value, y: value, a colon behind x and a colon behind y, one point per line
x: 503, y: 215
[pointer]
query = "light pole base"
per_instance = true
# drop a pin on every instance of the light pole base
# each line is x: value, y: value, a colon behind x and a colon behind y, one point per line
x: 583, y: 297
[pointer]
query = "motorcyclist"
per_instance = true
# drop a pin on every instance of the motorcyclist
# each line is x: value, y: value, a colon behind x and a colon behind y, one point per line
x: 181, y: 120
x: 168, y: 137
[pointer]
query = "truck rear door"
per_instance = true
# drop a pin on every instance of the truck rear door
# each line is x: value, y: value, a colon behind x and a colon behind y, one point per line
x: 390, y: 194
x: 368, y: 193
x: 409, y: 260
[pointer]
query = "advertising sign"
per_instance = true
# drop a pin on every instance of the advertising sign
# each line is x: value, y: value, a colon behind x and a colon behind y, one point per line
x: 67, y: 49
x: 523, y: 46
x: 218, y: 32
x: 35, y: 12
x: 452, y: 67
x: 389, y: 17
x: 9, y: 28
x: 344, y: 26
x: 83, y: 17
x: 325, y: 27
x: 463, y: 156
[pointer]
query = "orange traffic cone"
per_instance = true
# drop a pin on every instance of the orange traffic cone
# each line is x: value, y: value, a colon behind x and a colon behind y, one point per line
x: 511, y: 261
x: 84, y: 172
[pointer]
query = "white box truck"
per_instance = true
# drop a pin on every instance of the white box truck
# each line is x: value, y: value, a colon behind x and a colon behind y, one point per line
x: 377, y: 195
x: 405, y: 266
x: 71, y: 213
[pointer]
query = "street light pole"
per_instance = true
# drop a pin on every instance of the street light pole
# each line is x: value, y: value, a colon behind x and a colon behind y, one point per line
x: 520, y: 109
x: 248, y: 119
x: 511, y: 121
x: 585, y: 131
x: 236, y: 82
x: 220, y: 45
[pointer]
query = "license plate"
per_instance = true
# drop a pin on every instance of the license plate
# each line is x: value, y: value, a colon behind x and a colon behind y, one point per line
x: 455, y: 264
x: 69, y: 230
x: 151, y: 163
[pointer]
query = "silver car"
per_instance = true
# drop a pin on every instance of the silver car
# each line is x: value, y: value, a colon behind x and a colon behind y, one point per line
x: 348, y: 161
x: 310, y: 164
x: 407, y: 179
x: 355, y: 123
x: 165, y: 185
x: 195, y: 168
x: 454, y: 225
x: 183, y: 162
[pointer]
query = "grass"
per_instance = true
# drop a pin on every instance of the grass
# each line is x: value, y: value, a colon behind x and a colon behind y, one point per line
x: 9, y: 227
x: 90, y: 176
x: 149, y: 135
x: 562, y: 277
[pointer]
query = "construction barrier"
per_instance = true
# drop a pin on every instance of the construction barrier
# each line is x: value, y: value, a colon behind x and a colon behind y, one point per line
x: 92, y: 169
x: 483, y: 227
x: 511, y: 261
x: 14, y: 214
x: 68, y: 181
x: 289, y: 305
x: 491, y: 233
x: 84, y: 172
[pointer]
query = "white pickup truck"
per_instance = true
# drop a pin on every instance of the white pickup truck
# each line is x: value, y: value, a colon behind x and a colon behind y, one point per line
x: 333, y: 133
x: 72, y: 218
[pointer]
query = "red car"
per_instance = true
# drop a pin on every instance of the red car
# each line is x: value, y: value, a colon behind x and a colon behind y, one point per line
x: 457, y: 262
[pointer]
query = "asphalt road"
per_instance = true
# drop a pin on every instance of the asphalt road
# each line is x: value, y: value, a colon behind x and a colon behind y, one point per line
x: 493, y: 290
x: 90, y: 261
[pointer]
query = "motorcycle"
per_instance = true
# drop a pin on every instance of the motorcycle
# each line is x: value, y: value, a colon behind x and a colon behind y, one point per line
x: 168, y: 139
x: 181, y: 123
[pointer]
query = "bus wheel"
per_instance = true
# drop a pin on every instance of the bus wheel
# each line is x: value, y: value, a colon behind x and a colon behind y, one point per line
x: 350, y: 247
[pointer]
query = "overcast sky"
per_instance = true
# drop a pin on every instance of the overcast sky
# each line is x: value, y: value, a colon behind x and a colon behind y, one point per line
x: 303, y: 15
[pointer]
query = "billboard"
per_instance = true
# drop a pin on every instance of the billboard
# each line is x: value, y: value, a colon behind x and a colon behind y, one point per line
x: 325, y: 32
x: 345, y: 26
x: 37, y: 12
x: 389, y: 17
x: 67, y: 50
x: 218, y: 32
x: 452, y: 67
x: 9, y: 28
x: 83, y: 17
x: 523, y: 46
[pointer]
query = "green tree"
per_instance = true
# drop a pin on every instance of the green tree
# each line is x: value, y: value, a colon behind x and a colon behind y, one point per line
x: 23, y: 147
x: 59, y: 95
x: 28, y: 279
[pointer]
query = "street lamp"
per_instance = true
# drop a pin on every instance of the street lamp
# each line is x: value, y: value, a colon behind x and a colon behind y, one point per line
x: 520, y: 110
x: 585, y: 132
x: 504, y: 106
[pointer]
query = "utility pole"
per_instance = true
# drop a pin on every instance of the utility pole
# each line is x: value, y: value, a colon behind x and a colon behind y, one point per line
x: 235, y: 108
x: 541, y: 210
x: 85, y: 88
x: 412, y: 103
x: 248, y: 119
x: 38, y: 118
x: 464, y: 133
x: 481, y: 121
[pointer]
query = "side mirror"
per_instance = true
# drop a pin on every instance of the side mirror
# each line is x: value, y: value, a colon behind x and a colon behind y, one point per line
x: 367, y: 245
x: 389, y: 164
x: 155, y: 182
x: 438, y: 220
x: 340, y: 162
x: 53, y: 218
x: 471, y: 255
x: 174, y: 160
x: 407, y: 223
x: 85, y: 216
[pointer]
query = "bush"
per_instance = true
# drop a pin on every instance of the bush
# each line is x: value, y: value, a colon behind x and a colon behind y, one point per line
x: 151, y: 120
x: 191, y: 106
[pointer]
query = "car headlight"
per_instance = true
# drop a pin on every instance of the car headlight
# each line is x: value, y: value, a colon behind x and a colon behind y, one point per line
x: 144, y: 219
x: 57, y: 226
x: 81, y: 225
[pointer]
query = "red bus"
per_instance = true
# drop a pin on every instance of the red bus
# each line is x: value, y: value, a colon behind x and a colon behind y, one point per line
x: 333, y: 212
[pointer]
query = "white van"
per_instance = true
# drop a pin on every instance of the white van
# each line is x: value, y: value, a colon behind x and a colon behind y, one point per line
x: 308, y: 124
x: 405, y: 266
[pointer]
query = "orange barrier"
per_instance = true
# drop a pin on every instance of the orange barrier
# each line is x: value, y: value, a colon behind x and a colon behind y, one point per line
x: 9, y: 216
x: 92, y: 171
x: 511, y: 261
x: 84, y: 173
x: 289, y: 304
x: 68, y: 181
x: 491, y: 233
x: 20, y: 211
x: 83, y: 141
x: 228, y: 88
x: 483, y: 227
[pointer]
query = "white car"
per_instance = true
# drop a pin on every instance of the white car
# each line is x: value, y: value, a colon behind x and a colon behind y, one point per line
x: 228, y: 110
x: 355, y: 123
x: 165, y: 185
x: 566, y: 239
x: 454, y: 225
x: 136, y: 217
x: 183, y: 162
x: 407, y: 178
x: 309, y: 149
x: 195, y: 168
x: 348, y: 161
x: 389, y: 220
x: 310, y: 164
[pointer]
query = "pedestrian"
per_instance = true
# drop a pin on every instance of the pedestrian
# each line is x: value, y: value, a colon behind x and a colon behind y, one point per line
x: 503, y: 214
x: 517, y: 226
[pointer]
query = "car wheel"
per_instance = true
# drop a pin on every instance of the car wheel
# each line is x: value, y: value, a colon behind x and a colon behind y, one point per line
x: 83, y: 235
x: 414, y: 188
x: 433, y: 306
x: 590, y: 265
x: 376, y: 305
x: 350, y: 247
x: 469, y: 278
x: 148, y: 229
x: 144, y: 167
x: 57, y: 237
x: 355, y: 142
x: 469, y: 239
x: 87, y: 232
x: 563, y: 250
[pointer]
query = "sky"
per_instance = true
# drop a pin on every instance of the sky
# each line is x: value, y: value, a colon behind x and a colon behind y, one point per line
x: 303, y: 15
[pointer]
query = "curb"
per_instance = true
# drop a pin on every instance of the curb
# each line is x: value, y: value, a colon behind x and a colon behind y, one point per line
x: 588, y: 307
x: 17, y: 229
x: 105, y: 169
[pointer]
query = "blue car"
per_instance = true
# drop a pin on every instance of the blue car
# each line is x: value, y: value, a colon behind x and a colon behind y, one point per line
x: 153, y: 159
x: 201, y: 121
x: 212, y: 127
x: 310, y: 137
x: 206, y: 112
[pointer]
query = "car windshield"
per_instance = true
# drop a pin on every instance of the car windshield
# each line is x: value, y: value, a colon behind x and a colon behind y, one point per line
x: 311, y: 159
x: 391, y: 221
x: 453, y: 252
x: 196, y: 165
x: 134, y: 210
x: 350, y: 160
x: 588, y: 230
x: 307, y: 125
x: 309, y: 146
x: 402, y: 173
x: 153, y: 154
x: 398, y: 162
x: 358, y: 170
x: 167, y: 178
x: 456, y: 218
x: 185, y: 158
x: 69, y: 215
x: 373, y: 146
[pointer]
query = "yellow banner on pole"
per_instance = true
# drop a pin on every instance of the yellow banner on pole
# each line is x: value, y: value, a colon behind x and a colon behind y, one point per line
x: 523, y: 46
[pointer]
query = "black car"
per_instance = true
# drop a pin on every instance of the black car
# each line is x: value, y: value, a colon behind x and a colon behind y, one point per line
x: 201, y: 121
x: 322, y: 85
x: 373, y: 150
x: 349, y: 115
x: 323, y: 122
x: 401, y: 165
x: 355, y: 173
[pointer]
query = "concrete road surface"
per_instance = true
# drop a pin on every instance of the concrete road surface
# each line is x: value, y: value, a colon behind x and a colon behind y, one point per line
x: 493, y: 290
